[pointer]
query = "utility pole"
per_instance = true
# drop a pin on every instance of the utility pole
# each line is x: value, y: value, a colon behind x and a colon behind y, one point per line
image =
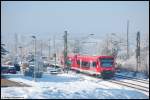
x: 16, y: 44
x: 74, y: 49
x: 65, y: 49
x: 138, y: 51
x: 127, y: 39
x: 34, y: 39
x: 78, y: 46
x: 111, y: 43
x: 54, y: 51
x: 41, y: 48
x: 49, y: 49
x: 21, y: 53
x: 147, y: 54
x: 16, y: 47
x: 107, y: 51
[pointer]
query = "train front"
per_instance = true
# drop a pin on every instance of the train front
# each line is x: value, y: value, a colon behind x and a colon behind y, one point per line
x: 107, y: 66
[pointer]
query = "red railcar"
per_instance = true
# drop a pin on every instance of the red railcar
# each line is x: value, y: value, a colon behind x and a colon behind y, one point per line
x: 97, y: 65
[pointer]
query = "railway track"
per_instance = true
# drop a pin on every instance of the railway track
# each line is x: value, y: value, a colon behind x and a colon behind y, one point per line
x: 127, y: 84
x: 143, y: 87
x: 132, y: 78
x: 132, y: 85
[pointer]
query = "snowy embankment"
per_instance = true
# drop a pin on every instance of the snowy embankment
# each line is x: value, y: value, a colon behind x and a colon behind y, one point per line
x: 71, y: 85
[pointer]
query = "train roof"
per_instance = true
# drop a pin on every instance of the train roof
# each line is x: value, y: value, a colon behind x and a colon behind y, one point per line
x: 85, y: 57
x: 95, y: 56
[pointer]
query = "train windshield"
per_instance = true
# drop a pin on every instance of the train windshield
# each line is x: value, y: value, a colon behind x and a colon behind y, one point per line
x: 106, y: 62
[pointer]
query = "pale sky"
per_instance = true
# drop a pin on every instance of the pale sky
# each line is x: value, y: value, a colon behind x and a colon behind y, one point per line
x: 79, y: 18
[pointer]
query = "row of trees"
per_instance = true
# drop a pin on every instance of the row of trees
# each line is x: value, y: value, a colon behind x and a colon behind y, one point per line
x: 3, y: 50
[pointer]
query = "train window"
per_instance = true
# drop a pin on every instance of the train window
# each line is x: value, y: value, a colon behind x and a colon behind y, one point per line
x: 94, y: 64
x: 106, y: 62
x: 85, y: 64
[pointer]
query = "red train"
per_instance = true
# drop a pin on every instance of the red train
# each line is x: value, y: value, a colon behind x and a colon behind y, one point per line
x: 96, y: 65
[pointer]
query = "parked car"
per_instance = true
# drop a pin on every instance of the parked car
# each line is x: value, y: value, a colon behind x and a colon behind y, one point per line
x: 4, y: 69
x: 30, y: 72
x: 53, y: 70
x: 12, y: 70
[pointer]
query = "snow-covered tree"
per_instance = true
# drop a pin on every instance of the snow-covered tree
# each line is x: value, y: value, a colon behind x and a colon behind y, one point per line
x: 3, y: 50
x: 145, y: 55
x: 111, y: 46
x: 77, y: 47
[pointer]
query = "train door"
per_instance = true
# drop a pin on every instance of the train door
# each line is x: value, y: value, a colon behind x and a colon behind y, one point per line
x: 93, y: 65
x: 80, y: 63
x: 98, y: 67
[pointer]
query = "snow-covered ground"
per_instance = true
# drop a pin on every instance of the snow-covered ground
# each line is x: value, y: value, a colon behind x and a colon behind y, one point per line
x: 71, y: 85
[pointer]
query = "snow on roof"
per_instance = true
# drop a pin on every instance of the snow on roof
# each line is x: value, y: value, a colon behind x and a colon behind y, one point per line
x: 5, y: 65
x: 11, y: 66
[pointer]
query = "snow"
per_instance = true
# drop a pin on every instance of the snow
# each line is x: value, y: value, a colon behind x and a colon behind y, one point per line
x: 69, y: 86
